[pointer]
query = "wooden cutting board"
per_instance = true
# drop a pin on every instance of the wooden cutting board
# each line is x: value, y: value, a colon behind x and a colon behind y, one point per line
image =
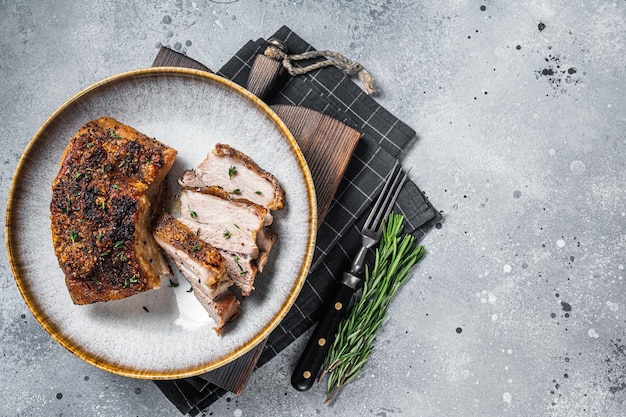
x: 327, y: 145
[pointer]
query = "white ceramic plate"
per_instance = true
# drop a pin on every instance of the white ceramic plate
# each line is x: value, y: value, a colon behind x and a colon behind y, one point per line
x: 164, y: 333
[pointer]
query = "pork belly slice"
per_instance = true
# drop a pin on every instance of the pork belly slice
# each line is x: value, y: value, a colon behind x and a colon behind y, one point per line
x: 104, y: 198
x: 203, y: 267
x: 234, y: 226
x: 197, y: 260
x: 223, y: 309
x: 228, y: 224
x: 236, y: 173
x: 243, y: 268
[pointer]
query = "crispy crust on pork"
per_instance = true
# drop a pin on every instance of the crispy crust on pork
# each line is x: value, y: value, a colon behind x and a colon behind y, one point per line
x: 104, y: 198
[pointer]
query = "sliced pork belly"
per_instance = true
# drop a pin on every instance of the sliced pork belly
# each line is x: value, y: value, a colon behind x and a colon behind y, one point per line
x: 202, y: 265
x: 235, y: 227
x: 236, y: 173
x: 228, y: 224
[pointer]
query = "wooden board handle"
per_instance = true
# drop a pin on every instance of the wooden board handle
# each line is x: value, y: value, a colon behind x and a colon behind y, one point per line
x: 264, y: 75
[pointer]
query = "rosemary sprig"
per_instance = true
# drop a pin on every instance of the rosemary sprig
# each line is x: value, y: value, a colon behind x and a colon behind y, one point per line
x: 395, y: 257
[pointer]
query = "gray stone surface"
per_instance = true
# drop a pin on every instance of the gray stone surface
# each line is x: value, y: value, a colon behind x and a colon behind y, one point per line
x: 519, y: 110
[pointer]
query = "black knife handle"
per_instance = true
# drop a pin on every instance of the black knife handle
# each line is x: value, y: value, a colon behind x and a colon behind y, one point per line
x: 312, y: 359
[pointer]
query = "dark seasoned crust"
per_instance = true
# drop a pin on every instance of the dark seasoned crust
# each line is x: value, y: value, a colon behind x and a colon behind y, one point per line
x: 103, y: 202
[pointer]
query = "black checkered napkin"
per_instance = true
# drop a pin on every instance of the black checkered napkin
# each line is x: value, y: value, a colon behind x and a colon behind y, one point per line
x: 331, y: 92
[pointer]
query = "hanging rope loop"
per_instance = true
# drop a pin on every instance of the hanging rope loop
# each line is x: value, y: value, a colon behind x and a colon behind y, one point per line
x: 278, y: 50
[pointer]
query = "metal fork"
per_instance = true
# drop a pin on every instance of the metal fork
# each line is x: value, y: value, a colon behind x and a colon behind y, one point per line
x: 372, y: 229
x: 312, y: 359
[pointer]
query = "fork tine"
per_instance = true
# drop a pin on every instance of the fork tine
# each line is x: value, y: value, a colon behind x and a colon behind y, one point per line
x: 391, y: 198
x: 379, y: 200
x: 387, y: 198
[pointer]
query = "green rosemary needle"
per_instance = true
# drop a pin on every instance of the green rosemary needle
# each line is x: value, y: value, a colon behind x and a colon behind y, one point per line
x: 395, y: 257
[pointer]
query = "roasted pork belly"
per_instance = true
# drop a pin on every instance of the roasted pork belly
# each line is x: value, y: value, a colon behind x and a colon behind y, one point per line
x: 232, y: 226
x: 197, y: 260
x: 202, y: 265
x: 104, y: 198
x: 236, y: 173
x: 227, y: 199
x: 226, y: 223
x: 242, y: 269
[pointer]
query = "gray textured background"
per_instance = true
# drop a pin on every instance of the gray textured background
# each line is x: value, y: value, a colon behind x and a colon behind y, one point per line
x: 521, y: 145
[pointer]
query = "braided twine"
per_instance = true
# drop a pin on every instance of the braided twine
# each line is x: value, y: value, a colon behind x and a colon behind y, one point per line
x: 349, y: 67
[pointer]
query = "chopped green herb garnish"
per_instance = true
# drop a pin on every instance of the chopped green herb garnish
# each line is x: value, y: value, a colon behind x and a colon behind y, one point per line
x: 103, y: 254
x: 73, y: 235
x: 104, y: 205
x: 236, y: 259
x: 258, y: 193
x: 173, y: 284
x: 192, y: 213
x: 68, y: 204
x: 122, y: 257
x: 195, y: 247
x: 121, y: 164
x: 243, y: 272
x: 115, y: 187
x: 237, y: 191
x: 232, y: 171
x: 133, y: 279
x: 77, y: 175
x: 118, y: 244
x: 226, y: 234
x: 90, y: 145
x: 146, y: 309
x: 113, y: 134
x: 237, y: 226
x: 99, y: 237
x: 190, y: 289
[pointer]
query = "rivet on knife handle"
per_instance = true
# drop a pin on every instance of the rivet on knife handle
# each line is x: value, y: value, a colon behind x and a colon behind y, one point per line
x: 314, y: 354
